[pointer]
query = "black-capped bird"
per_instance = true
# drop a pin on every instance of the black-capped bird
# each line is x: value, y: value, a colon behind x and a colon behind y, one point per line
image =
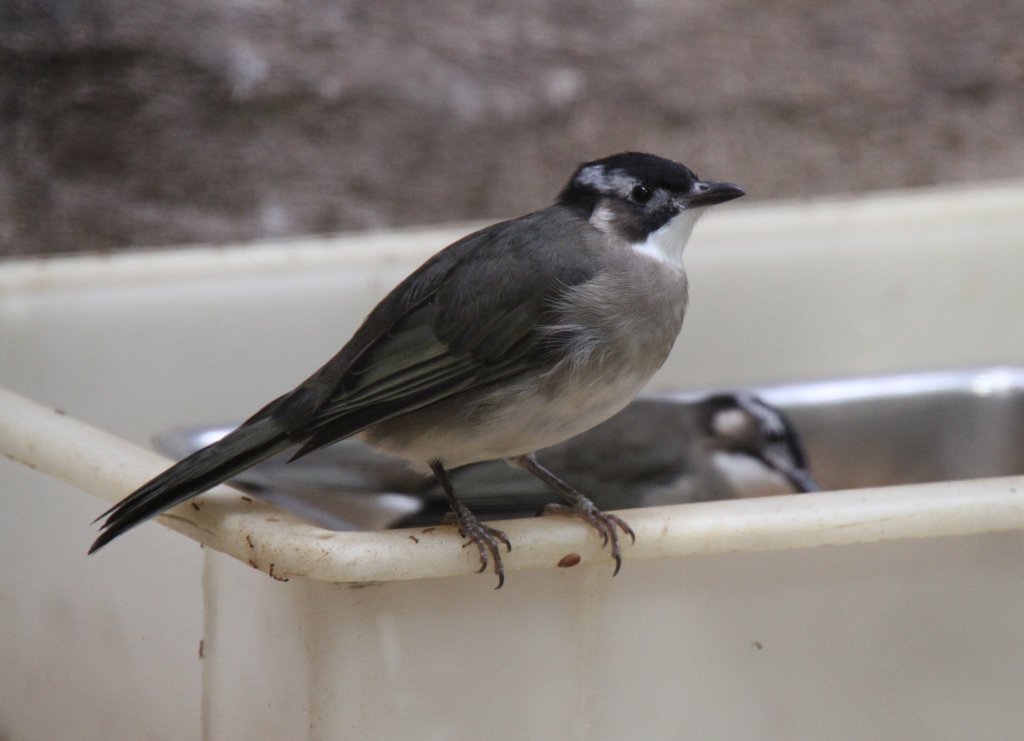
x: 510, y: 340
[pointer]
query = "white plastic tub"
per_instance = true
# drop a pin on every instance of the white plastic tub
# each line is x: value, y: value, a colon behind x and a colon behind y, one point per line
x: 725, y: 622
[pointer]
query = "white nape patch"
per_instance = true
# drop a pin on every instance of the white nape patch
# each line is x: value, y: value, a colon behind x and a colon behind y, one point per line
x: 749, y: 477
x: 667, y: 243
x: 730, y: 423
x: 604, y: 181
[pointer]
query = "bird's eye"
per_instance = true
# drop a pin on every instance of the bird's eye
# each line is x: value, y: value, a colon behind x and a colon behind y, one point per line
x: 641, y: 193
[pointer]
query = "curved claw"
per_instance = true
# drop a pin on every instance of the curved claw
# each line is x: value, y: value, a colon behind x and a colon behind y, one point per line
x: 609, y: 522
x: 486, y: 540
x: 480, y: 547
x: 623, y: 526
x: 618, y: 564
x: 607, y: 526
x: 502, y: 537
x: 579, y: 506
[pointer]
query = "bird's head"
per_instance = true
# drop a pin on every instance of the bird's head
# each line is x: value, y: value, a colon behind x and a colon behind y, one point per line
x: 643, y: 200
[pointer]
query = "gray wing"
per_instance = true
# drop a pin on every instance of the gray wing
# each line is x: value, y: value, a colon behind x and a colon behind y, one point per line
x: 468, y: 318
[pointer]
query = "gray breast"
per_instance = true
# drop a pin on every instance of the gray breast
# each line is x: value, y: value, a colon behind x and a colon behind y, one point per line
x: 628, y: 315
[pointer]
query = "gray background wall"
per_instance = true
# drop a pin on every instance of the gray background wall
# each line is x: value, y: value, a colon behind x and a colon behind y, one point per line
x: 126, y: 123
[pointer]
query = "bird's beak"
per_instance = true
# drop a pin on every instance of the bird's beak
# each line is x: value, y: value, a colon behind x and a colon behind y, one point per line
x: 799, y: 477
x: 708, y: 193
x: 801, y: 480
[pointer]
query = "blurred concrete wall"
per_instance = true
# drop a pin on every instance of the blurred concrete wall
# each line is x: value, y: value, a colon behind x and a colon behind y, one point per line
x: 128, y: 122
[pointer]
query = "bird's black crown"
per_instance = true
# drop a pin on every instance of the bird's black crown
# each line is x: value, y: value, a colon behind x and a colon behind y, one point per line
x: 618, y: 174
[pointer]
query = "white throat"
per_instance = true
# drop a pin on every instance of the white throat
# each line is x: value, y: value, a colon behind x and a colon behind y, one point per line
x: 667, y: 243
x: 749, y: 477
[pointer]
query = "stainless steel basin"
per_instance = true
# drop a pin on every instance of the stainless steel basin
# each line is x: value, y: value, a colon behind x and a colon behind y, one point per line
x: 913, y: 428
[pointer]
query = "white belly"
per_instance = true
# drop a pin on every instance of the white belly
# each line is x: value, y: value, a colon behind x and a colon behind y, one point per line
x: 531, y: 422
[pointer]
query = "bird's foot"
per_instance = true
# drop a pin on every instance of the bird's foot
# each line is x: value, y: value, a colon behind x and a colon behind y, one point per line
x: 577, y: 505
x: 606, y: 524
x: 487, y: 540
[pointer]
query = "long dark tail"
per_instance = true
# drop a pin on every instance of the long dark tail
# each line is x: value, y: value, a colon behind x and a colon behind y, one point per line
x: 246, y: 446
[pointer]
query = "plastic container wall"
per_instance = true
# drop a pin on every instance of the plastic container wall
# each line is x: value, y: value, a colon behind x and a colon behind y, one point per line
x: 893, y: 635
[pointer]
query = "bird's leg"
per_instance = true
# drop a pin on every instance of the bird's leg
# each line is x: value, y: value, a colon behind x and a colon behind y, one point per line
x: 486, y: 538
x: 578, y: 505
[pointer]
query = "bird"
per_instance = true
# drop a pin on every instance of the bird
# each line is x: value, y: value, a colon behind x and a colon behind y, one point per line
x: 656, y: 451
x: 659, y: 450
x: 509, y: 340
